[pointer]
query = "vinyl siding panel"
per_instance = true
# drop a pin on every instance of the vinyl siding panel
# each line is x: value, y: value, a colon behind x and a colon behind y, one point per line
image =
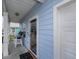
x: 45, y: 17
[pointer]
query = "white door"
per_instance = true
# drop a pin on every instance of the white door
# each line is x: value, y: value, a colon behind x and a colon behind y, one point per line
x: 66, y: 35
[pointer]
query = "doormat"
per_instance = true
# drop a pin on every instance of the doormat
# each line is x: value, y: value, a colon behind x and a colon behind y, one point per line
x: 26, y: 56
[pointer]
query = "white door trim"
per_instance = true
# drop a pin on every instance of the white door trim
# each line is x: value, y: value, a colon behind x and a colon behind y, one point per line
x: 37, y: 23
x: 55, y: 32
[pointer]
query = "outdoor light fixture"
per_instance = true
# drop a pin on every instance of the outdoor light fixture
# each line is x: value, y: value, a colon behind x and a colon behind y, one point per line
x: 40, y: 1
x: 17, y: 14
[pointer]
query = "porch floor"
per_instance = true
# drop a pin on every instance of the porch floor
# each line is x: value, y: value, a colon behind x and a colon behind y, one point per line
x: 17, y: 51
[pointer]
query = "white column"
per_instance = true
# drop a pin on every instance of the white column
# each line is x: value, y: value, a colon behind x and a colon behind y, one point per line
x: 6, y: 33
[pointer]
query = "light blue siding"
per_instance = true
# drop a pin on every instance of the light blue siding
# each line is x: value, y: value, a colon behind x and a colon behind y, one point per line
x: 45, y: 38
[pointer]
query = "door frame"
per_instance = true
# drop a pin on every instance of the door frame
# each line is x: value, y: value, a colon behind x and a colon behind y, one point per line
x: 55, y: 21
x: 37, y: 27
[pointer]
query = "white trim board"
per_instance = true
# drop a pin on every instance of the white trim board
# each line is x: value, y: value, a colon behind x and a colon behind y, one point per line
x: 55, y: 20
x: 37, y: 22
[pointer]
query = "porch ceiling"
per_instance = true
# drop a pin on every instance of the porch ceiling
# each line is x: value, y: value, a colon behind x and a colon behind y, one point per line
x: 19, y: 8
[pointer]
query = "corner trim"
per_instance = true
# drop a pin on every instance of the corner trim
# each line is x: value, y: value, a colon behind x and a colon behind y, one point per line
x: 55, y: 14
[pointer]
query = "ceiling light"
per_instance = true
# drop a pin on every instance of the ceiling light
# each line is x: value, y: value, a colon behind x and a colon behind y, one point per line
x: 40, y: 1
x: 17, y: 14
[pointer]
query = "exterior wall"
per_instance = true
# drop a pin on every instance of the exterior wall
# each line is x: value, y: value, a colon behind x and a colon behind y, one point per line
x: 45, y: 39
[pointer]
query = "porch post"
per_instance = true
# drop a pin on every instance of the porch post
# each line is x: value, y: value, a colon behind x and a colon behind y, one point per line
x: 6, y: 33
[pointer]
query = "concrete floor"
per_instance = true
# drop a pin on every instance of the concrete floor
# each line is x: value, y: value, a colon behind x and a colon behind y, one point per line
x: 15, y: 53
